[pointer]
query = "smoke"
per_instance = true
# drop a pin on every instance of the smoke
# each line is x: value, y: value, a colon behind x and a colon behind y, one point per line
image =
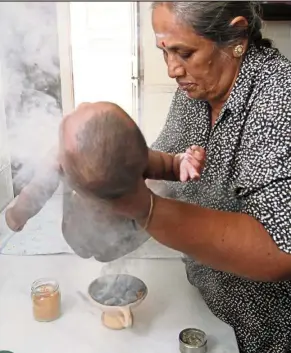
x: 115, y: 267
x: 31, y: 83
x: 116, y: 287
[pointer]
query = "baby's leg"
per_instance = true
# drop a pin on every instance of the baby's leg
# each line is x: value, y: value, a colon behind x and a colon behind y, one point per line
x: 34, y: 196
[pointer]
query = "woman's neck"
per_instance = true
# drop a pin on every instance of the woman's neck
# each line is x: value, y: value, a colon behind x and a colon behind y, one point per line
x: 218, y: 102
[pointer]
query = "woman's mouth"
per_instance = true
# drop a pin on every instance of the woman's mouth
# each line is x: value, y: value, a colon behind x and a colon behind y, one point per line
x: 186, y: 86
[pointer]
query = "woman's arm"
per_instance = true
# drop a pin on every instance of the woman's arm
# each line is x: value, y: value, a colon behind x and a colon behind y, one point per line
x: 230, y: 242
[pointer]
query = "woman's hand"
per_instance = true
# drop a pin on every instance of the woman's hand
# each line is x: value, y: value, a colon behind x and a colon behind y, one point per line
x: 191, y: 163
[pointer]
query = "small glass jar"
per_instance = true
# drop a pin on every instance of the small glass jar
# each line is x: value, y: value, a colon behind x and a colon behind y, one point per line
x: 46, y: 300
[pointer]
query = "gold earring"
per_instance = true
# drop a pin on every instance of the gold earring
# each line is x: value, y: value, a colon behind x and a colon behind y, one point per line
x: 238, y: 50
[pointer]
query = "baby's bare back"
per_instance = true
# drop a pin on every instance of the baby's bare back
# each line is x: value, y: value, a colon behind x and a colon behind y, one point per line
x: 91, y: 230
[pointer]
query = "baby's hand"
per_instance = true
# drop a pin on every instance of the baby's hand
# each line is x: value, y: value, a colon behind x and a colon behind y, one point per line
x: 191, y: 163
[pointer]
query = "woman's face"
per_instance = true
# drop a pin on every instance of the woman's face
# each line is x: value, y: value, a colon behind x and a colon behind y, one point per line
x: 201, y: 69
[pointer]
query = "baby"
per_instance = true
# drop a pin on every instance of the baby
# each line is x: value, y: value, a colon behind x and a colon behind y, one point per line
x: 102, y: 150
x: 102, y: 153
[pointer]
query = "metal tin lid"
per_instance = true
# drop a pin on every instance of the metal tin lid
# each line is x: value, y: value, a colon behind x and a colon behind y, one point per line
x: 192, y: 340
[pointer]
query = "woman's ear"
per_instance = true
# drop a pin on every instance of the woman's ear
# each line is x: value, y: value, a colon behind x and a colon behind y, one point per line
x: 240, y: 47
x: 239, y: 21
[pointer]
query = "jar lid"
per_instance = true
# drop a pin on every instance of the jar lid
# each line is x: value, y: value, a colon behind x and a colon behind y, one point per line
x: 44, y: 285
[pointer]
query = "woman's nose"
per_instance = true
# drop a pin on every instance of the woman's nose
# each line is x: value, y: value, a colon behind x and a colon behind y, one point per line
x: 175, y: 69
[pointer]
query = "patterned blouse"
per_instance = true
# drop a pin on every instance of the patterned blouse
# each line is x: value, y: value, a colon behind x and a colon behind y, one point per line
x: 248, y: 170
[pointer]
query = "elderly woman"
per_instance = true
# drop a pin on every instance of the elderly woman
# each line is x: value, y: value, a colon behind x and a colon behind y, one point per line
x: 234, y: 100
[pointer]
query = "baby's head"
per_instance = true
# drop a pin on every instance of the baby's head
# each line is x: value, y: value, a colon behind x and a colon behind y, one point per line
x: 102, y: 150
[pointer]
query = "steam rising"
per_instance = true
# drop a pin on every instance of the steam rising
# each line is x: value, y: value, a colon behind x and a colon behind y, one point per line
x: 115, y: 286
x: 117, y: 290
x: 31, y: 80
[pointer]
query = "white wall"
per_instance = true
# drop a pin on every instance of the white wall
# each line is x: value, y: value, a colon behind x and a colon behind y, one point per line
x: 159, y: 88
x: 280, y: 33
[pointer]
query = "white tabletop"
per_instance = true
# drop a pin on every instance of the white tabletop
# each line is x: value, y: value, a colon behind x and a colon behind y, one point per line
x: 172, y: 305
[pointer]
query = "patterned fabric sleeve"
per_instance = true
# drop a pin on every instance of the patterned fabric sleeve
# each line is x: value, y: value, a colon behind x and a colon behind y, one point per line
x: 169, y: 139
x: 271, y: 206
x: 172, y: 140
x: 265, y: 177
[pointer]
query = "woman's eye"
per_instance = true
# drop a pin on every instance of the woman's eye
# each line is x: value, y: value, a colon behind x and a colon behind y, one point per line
x: 185, y: 55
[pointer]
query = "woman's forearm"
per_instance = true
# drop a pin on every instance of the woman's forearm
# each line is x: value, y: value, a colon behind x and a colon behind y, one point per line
x: 162, y: 166
x: 229, y: 242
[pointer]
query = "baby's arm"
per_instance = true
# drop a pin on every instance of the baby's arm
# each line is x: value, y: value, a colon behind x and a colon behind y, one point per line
x: 179, y: 167
x: 34, y: 196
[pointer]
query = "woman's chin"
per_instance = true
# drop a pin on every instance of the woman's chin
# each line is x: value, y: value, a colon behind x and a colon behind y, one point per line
x: 192, y: 94
x: 195, y: 94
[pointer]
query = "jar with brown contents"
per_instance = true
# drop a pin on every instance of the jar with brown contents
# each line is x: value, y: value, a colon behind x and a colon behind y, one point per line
x: 46, y: 300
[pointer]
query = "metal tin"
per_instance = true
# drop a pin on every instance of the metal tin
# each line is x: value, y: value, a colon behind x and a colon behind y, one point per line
x: 192, y: 340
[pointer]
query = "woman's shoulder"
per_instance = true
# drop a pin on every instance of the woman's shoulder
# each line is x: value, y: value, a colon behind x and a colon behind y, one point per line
x: 275, y: 84
x: 271, y: 88
x: 270, y: 111
x: 268, y: 115
x: 275, y: 71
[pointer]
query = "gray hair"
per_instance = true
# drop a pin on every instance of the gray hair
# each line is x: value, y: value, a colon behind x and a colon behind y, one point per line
x: 211, y: 19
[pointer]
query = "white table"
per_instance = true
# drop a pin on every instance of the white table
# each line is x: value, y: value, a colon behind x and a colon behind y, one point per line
x: 172, y: 305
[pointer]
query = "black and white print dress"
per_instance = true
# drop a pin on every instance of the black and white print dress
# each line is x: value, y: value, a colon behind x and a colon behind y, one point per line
x: 248, y: 170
